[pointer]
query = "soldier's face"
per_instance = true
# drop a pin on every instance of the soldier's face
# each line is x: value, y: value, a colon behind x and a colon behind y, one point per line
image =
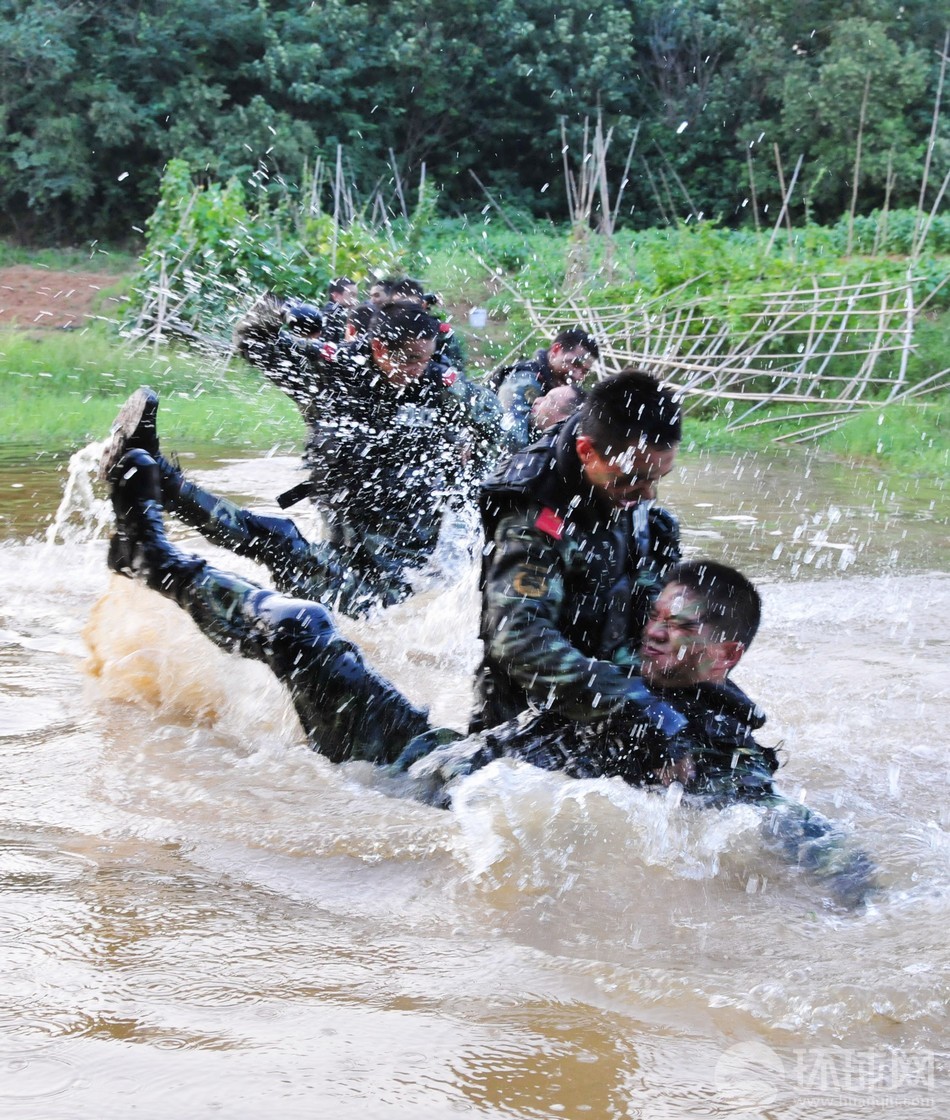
x: 627, y: 478
x: 349, y: 297
x: 680, y: 648
x: 403, y: 362
x: 569, y: 367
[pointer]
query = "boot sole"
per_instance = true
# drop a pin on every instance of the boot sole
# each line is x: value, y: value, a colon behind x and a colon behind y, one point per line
x: 124, y: 428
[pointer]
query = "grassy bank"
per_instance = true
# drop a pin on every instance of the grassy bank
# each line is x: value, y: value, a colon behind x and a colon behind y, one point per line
x: 83, y: 258
x: 62, y: 390
x: 906, y: 439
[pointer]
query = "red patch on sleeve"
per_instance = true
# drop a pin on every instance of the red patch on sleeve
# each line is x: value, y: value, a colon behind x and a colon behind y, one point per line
x: 450, y: 376
x: 549, y: 522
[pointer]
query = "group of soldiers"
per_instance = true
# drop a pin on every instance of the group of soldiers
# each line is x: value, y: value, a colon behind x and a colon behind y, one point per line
x: 605, y: 653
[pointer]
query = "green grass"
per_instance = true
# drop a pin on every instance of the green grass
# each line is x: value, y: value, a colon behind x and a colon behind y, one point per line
x: 906, y: 438
x: 909, y: 438
x: 87, y: 258
x: 63, y: 389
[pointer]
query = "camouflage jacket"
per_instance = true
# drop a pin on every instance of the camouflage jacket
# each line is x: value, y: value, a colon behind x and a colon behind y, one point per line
x: 726, y: 761
x: 334, y: 322
x: 448, y: 348
x: 566, y: 587
x: 383, y: 461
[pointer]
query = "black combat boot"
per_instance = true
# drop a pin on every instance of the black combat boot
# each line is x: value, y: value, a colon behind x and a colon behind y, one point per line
x: 140, y: 546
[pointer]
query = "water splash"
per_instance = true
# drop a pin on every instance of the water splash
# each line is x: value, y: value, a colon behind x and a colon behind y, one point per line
x: 81, y: 515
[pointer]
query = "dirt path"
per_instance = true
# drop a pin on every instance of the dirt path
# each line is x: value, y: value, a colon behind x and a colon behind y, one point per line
x: 41, y: 298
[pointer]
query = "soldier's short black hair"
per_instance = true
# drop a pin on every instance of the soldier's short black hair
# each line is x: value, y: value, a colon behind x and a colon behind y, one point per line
x: 630, y: 408
x: 360, y: 317
x: 405, y: 288
x: 575, y: 336
x: 731, y: 603
x: 400, y: 322
x: 340, y: 284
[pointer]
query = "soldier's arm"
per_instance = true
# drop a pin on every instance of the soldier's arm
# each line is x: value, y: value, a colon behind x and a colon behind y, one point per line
x: 821, y: 848
x: 516, y: 394
x: 524, y: 602
x: 261, y: 340
x: 477, y: 406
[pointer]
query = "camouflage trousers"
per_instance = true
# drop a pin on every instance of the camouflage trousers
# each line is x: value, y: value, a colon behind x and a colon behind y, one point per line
x: 347, y: 710
x: 351, y: 573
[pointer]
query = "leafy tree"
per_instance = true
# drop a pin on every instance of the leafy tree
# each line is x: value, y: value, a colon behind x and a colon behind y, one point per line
x: 96, y: 98
x: 804, y: 68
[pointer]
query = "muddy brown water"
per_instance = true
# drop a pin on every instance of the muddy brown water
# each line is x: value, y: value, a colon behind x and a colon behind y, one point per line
x: 201, y: 917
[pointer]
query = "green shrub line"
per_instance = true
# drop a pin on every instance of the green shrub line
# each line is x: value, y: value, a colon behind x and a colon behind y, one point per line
x: 61, y: 389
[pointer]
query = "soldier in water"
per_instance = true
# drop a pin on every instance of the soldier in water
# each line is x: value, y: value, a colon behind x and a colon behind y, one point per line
x: 391, y: 442
x: 679, y: 718
x: 567, y: 361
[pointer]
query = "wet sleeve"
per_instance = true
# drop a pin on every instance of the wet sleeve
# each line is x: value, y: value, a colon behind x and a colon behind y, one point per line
x: 302, y: 376
x: 478, y: 407
x: 524, y: 599
x: 516, y: 394
x: 822, y: 848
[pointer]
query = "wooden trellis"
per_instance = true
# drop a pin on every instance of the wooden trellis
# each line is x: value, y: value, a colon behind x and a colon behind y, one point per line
x: 775, y: 347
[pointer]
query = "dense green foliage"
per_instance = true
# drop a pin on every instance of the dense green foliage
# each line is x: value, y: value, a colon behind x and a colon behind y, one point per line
x: 210, y: 252
x: 95, y: 100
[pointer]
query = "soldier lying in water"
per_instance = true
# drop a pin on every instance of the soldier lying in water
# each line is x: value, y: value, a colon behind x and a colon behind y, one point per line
x: 700, y: 625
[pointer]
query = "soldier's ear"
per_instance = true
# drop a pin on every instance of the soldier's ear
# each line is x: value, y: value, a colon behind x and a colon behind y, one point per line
x: 585, y: 449
x: 728, y: 655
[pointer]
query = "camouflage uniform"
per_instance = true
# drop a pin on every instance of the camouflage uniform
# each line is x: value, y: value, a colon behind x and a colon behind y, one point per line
x: 385, y: 465
x: 335, y: 316
x: 448, y: 348
x: 728, y: 763
x: 566, y: 588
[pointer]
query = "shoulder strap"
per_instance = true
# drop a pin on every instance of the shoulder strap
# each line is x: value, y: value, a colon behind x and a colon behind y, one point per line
x: 520, y: 474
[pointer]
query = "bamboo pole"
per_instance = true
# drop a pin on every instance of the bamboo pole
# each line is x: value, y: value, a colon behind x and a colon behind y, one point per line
x: 656, y: 193
x: 880, y: 234
x: 494, y: 203
x: 786, y: 197
x: 931, y: 140
x: 336, y: 206
x: 755, y: 200
x: 398, y: 183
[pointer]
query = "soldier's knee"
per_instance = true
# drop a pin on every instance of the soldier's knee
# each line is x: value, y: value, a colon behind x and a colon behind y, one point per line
x: 301, y: 619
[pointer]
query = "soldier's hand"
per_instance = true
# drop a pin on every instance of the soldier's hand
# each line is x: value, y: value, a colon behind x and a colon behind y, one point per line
x: 683, y: 770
